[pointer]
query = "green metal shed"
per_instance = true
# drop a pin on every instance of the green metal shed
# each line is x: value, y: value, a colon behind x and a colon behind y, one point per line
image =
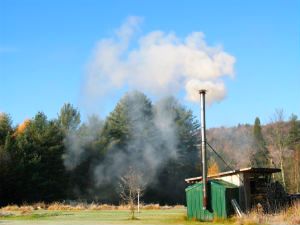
x: 220, y: 194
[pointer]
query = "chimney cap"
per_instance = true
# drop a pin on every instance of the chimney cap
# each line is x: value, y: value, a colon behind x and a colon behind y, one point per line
x: 202, y: 91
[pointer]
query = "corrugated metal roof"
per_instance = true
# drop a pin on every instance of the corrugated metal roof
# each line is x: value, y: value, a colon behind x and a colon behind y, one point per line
x: 233, y: 172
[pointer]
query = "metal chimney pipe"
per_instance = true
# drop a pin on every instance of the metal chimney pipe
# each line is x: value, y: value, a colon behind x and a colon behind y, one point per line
x: 203, y: 147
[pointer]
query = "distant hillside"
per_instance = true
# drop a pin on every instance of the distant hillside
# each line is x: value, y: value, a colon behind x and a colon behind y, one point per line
x: 236, y: 147
x: 234, y: 144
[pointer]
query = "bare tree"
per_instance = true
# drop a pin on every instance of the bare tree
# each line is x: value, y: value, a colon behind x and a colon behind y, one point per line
x: 279, y: 141
x: 131, y: 187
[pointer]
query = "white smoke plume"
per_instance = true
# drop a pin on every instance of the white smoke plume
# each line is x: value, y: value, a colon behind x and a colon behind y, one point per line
x: 152, y: 143
x: 158, y: 63
x: 75, y: 141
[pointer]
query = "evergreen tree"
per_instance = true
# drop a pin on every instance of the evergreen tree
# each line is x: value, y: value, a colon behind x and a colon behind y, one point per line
x: 82, y: 176
x: 6, y: 171
x: 6, y: 160
x: 294, y: 132
x: 5, y: 127
x: 69, y: 118
x: 40, y: 172
x: 131, y: 117
x: 170, y: 185
x: 127, y: 131
x: 261, y: 157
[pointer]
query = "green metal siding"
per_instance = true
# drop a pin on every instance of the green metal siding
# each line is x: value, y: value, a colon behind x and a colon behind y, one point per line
x: 220, y: 194
x: 194, y: 203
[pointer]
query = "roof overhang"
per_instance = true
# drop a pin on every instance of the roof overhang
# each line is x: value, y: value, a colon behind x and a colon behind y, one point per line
x: 233, y: 172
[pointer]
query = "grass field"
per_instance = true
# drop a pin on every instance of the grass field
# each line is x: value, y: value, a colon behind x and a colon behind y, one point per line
x: 89, y: 217
x: 83, y: 214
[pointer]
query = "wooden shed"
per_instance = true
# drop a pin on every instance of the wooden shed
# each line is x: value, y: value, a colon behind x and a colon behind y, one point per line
x: 220, y: 194
x: 252, y: 184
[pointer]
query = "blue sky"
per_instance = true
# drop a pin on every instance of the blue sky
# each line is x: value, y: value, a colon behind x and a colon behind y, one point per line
x: 45, y: 47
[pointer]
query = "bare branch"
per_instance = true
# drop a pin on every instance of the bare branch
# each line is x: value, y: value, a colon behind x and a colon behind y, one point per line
x: 131, y: 186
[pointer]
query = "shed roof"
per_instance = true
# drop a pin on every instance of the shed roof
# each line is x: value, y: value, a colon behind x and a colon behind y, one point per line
x: 233, y: 172
x: 223, y: 183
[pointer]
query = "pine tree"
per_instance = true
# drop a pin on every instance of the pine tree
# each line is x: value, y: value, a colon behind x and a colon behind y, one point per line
x: 69, y: 118
x: 5, y: 127
x: 294, y: 132
x: 261, y: 157
x: 39, y: 170
x: 174, y: 170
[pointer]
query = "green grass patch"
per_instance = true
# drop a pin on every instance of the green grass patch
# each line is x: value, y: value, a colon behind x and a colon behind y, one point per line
x: 107, y: 217
x: 32, y: 215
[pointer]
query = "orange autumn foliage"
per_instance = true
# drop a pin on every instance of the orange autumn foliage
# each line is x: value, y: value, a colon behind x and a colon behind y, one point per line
x: 22, y: 126
x: 213, y: 169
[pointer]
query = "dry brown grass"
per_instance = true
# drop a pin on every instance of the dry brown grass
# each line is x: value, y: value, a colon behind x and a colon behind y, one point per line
x: 102, y: 207
x: 150, y: 206
x: 23, y: 208
x: 77, y: 206
x: 39, y: 205
x: 251, y: 218
x: 289, y: 215
x: 10, y: 208
x: 58, y: 206
x: 123, y: 207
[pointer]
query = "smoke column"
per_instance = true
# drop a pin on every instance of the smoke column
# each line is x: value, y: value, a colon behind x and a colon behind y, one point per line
x: 152, y: 142
x: 158, y: 63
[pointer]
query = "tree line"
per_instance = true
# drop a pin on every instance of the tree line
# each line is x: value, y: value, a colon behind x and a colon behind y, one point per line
x: 64, y: 158
x: 276, y: 144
